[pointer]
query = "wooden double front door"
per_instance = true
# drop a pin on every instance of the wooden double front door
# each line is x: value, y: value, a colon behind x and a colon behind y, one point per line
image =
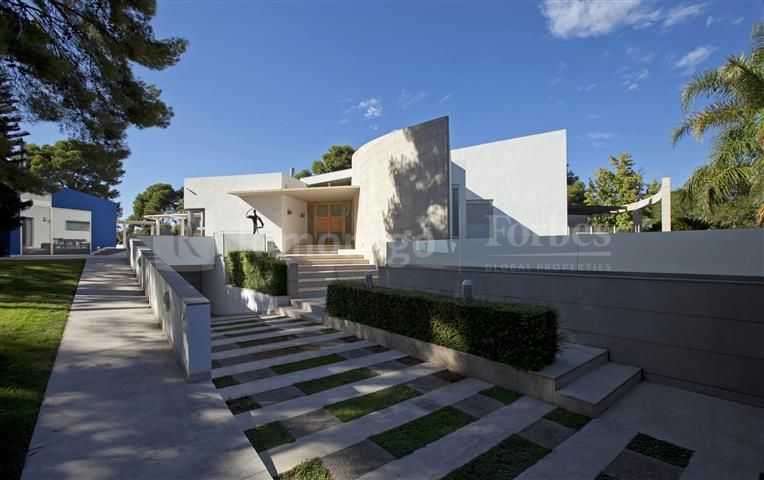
x: 330, y: 222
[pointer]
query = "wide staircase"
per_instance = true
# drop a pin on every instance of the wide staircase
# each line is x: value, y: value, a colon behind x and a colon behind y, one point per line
x: 321, y: 264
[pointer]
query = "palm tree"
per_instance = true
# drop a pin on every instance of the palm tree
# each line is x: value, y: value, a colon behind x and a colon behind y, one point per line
x: 735, y: 92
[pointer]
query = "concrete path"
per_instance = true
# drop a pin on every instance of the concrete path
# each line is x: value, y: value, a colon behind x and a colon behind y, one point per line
x: 117, y: 406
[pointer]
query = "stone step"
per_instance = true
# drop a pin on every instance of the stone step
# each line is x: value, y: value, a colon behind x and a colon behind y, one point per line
x: 329, y: 260
x: 321, y: 256
x: 593, y: 393
x: 310, y: 305
x: 335, y: 267
x: 300, y: 313
x: 323, y: 282
x: 573, y: 362
x: 350, y: 273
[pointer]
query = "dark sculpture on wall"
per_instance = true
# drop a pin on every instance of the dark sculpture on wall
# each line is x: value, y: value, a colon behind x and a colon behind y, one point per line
x: 257, y: 222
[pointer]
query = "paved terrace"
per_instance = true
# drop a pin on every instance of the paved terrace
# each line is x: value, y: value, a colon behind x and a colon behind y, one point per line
x: 117, y: 405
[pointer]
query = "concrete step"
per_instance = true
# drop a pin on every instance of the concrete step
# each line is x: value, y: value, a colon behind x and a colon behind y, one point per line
x: 329, y: 260
x: 594, y: 392
x: 313, y: 293
x: 293, y: 312
x: 354, y: 273
x: 324, y: 282
x: 334, y: 267
x: 320, y: 256
x: 310, y: 305
x: 573, y: 362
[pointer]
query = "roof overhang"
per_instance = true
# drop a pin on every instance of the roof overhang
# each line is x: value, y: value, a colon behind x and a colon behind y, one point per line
x: 309, y: 194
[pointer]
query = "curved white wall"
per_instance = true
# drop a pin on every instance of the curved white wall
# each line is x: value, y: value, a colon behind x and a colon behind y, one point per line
x: 404, y: 180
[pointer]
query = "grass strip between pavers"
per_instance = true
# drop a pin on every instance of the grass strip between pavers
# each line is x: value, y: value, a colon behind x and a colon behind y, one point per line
x: 328, y: 330
x: 567, y: 418
x: 320, y: 384
x: 501, y: 394
x: 241, y: 405
x: 227, y: 381
x: 357, y: 407
x: 311, y: 469
x: 660, y: 449
x: 411, y: 436
x: 268, y: 436
x: 504, y: 461
x: 308, y: 363
x: 35, y: 297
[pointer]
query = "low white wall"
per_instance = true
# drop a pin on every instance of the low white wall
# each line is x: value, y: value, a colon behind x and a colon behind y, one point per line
x: 183, y: 252
x: 183, y: 312
x: 237, y: 300
x: 703, y: 252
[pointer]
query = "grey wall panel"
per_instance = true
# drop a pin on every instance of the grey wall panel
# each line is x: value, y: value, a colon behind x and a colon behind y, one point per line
x: 700, y: 332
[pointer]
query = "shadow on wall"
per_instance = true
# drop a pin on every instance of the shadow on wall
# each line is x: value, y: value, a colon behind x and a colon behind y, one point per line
x: 418, y: 208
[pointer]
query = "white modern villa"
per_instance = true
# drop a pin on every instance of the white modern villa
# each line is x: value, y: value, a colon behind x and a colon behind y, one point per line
x: 407, y: 184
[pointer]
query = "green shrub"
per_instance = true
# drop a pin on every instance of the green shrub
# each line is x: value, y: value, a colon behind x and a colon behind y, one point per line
x: 257, y: 271
x: 521, y: 335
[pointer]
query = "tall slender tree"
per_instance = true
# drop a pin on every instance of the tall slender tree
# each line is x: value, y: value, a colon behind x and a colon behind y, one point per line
x: 735, y: 109
x: 15, y: 177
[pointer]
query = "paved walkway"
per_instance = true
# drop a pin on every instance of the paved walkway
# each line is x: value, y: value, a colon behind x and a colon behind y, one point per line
x: 117, y: 406
x: 266, y: 369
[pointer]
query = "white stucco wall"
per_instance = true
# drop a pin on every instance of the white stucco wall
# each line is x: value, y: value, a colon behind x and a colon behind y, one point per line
x: 226, y: 213
x: 404, y: 187
x: 525, y: 178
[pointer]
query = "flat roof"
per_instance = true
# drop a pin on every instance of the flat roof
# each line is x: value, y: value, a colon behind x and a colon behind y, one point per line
x: 344, y: 192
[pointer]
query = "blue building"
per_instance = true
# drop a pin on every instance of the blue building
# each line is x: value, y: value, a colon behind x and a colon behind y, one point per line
x: 65, y: 222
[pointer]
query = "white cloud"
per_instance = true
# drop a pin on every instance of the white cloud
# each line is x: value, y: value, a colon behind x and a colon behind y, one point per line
x: 638, y: 55
x: 682, y: 13
x: 581, y: 19
x: 736, y: 21
x: 561, y: 67
x: 709, y: 21
x: 630, y: 79
x: 371, y: 107
x: 593, y: 116
x: 444, y: 98
x: 694, y: 58
x: 555, y: 81
x: 600, y: 135
x: 406, y: 99
x: 343, y: 121
x: 374, y: 127
x: 586, y: 88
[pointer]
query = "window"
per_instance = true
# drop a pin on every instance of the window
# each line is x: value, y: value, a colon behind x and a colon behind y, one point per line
x: 479, y: 217
x: 455, y: 210
x: 77, y: 226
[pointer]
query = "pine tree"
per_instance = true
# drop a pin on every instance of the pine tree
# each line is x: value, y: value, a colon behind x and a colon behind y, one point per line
x: 15, y: 177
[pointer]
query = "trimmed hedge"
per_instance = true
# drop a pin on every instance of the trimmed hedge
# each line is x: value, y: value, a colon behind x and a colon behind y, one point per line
x: 257, y: 271
x: 521, y: 335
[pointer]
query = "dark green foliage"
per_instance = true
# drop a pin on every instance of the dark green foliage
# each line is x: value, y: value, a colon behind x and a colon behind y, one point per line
x: 223, y: 382
x: 501, y: 394
x: 268, y: 436
x: 156, y: 199
x: 524, y: 336
x: 660, y: 449
x: 306, y: 364
x: 71, y: 62
x: 257, y: 271
x: 338, y: 157
x: 567, y: 419
x: 15, y: 177
x: 302, y: 174
x: 414, y: 435
x: 79, y: 165
x: 241, y: 405
x: 35, y: 297
x: 320, y: 384
x: 505, y: 461
x: 308, y: 470
x: 357, y: 407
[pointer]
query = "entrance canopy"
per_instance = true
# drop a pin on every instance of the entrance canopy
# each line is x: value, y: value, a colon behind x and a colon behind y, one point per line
x: 308, y: 194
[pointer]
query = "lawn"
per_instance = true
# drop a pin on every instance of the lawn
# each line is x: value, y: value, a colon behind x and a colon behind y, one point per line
x: 35, y: 297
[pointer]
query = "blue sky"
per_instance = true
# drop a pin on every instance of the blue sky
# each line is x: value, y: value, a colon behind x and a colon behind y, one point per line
x: 265, y: 86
